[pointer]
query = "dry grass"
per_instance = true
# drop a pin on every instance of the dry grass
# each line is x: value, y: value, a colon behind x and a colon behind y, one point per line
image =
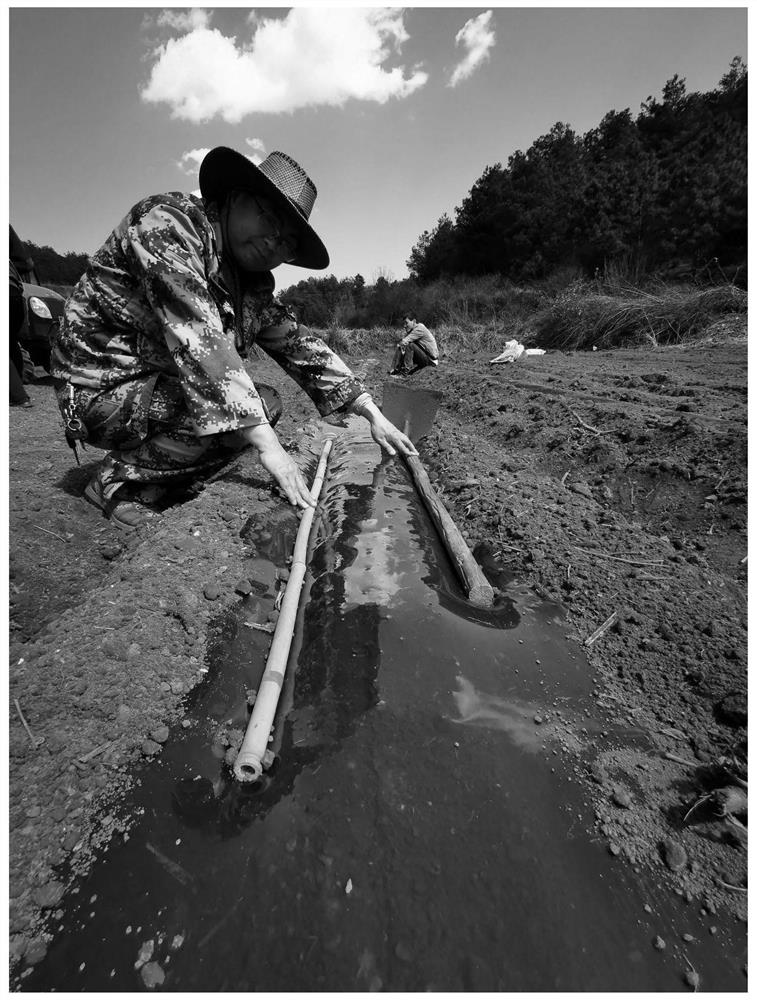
x: 579, y: 317
x: 452, y: 339
x: 356, y: 342
x: 582, y: 318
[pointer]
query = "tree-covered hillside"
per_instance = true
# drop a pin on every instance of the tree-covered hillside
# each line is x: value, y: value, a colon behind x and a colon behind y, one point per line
x: 54, y: 268
x: 665, y: 192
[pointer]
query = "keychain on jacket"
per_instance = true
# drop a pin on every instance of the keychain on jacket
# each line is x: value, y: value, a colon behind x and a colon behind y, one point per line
x: 75, y: 431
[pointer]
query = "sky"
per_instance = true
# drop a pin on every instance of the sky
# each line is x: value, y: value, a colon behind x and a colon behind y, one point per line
x: 393, y: 112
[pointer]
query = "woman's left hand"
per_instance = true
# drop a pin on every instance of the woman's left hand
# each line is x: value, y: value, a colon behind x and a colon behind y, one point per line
x: 390, y: 438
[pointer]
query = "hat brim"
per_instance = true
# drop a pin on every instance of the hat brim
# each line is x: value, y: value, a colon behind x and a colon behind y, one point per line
x: 224, y: 169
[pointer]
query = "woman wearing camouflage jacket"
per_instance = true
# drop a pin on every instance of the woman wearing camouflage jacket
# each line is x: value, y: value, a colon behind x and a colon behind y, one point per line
x: 148, y: 361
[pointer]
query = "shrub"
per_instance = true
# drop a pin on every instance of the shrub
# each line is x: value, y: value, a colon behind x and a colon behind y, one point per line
x: 581, y: 318
x: 357, y: 341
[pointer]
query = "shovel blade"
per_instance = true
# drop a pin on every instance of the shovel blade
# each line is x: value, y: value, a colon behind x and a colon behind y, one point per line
x: 412, y: 410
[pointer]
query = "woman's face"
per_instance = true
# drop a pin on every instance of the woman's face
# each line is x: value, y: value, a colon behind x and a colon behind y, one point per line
x: 259, y: 238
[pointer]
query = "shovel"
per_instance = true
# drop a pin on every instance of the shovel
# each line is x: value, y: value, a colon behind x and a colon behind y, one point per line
x: 413, y: 410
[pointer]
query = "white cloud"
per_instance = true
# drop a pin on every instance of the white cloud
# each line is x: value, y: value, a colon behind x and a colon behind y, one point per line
x: 191, y: 160
x: 311, y: 57
x: 258, y: 150
x: 189, y: 20
x: 170, y: 21
x: 477, y: 38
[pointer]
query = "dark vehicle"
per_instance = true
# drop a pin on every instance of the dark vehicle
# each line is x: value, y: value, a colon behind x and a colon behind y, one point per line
x: 44, y: 309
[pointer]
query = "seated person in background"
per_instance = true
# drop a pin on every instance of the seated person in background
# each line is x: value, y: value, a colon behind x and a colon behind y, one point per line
x: 416, y: 350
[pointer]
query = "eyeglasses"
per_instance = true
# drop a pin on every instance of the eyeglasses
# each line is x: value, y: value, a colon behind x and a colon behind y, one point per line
x: 276, y: 239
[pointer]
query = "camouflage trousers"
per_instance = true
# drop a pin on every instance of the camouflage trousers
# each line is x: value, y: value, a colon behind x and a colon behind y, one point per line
x: 144, y: 424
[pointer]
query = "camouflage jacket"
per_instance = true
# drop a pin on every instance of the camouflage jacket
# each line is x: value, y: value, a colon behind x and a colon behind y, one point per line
x: 153, y: 301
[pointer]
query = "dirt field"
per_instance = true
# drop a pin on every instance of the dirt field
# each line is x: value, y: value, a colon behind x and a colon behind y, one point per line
x: 613, y: 481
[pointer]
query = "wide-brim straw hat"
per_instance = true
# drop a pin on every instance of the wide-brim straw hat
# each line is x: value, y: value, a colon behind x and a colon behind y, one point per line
x: 279, y: 178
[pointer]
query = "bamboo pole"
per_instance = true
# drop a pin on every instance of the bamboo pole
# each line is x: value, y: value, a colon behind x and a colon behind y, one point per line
x: 479, y: 589
x: 249, y: 763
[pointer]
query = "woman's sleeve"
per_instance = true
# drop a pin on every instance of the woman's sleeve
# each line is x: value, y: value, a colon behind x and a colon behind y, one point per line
x: 312, y: 364
x: 168, y: 250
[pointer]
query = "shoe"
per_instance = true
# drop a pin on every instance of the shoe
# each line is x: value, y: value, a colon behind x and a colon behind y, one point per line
x: 126, y: 512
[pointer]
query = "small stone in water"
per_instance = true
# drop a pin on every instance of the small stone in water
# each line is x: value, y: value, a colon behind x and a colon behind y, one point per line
x: 348, y: 887
x: 691, y: 978
x: 152, y: 975
x: 35, y: 952
x: 150, y: 748
x: 687, y: 937
x: 160, y: 735
x: 145, y: 953
x: 538, y: 720
x: 403, y: 952
x: 659, y: 943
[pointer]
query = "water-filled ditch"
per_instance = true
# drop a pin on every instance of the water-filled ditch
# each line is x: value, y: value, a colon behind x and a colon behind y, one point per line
x: 422, y: 828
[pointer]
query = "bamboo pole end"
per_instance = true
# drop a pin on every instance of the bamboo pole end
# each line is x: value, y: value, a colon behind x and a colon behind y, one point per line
x: 247, y: 767
x: 481, y: 594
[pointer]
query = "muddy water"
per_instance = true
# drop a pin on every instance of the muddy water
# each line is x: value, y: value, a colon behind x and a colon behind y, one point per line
x: 422, y: 828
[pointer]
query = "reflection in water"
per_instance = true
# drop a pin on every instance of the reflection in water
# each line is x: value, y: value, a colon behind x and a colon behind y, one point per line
x: 274, y: 537
x: 517, y: 719
x: 339, y: 659
x: 377, y: 580
x: 334, y: 681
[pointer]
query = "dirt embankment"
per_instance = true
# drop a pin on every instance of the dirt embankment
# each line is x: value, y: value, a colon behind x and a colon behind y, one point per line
x: 614, y: 482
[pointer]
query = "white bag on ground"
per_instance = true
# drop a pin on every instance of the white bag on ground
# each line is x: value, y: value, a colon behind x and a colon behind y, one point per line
x: 513, y: 350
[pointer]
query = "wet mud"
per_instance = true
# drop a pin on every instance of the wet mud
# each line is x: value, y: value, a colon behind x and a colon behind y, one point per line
x: 130, y: 658
x: 421, y: 828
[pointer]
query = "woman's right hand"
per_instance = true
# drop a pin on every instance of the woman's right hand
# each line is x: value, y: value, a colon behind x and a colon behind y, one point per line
x: 276, y: 461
